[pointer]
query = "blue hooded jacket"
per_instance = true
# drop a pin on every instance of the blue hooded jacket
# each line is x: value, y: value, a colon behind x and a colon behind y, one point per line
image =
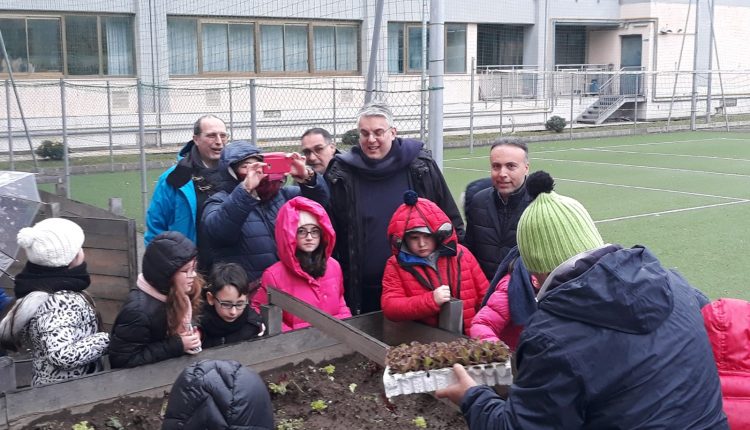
x: 618, y: 342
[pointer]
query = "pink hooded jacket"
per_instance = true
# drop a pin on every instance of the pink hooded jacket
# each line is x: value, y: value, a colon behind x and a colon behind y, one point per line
x: 493, y: 322
x: 325, y: 293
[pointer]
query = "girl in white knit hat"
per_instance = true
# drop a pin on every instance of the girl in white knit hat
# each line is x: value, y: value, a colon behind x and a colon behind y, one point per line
x: 53, y: 315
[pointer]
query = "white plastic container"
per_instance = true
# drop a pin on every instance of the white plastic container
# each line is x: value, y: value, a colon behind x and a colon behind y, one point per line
x: 425, y: 381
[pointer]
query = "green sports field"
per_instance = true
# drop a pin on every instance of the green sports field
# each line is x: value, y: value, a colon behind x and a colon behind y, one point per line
x: 686, y: 196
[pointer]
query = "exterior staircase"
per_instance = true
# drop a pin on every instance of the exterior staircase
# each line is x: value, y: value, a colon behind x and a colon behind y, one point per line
x: 621, y: 88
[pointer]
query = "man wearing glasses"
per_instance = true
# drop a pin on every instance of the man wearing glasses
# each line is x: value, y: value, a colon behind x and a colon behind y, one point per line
x: 318, y: 148
x: 181, y: 191
x: 367, y: 185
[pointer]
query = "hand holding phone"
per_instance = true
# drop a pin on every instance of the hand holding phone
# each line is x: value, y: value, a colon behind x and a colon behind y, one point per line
x: 277, y: 164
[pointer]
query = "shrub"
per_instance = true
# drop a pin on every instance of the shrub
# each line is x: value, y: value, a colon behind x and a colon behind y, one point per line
x: 52, y: 149
x: 351, y: 137
x: 556, y: 123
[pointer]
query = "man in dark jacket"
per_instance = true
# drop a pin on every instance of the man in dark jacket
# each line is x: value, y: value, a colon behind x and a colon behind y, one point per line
x: 217, y: 394
x: 182, y: 190
x: 492, y: 214
x: 617, y: 342
x: 238, y: 220
x: 367, y: 185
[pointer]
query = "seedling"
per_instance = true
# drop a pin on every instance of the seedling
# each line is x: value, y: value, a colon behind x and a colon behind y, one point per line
x: 279, y: 388
x: 83, y: 425
x: 318, y: 406
x: 290, y: 424
x: 114, y: 422
x: 352, y: 387
x: 420, y: 422
x: 329, y: 369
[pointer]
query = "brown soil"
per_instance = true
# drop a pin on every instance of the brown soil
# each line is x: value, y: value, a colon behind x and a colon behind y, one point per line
x: 350, y: 407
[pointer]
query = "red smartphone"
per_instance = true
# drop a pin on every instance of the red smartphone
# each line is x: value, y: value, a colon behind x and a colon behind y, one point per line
x: 277, y: 163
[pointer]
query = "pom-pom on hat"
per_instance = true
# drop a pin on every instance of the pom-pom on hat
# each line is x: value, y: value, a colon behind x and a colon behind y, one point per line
x: 164, y: 256
x: 553, y: 227
x: 306, y: 218
x: 53, y: 242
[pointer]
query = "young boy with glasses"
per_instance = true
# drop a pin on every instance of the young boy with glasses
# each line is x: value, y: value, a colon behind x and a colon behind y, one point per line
x: 305, y: 239
x: 226, y: 316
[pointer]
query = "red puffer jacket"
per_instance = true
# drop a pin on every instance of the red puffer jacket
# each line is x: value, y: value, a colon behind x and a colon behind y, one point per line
x: 408, y: 281
x: 728, y: 326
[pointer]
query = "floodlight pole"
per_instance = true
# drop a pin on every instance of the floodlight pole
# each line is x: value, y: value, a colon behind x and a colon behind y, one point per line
x: 694, y: 96
x: 437, y: 68
x: 372, y: 65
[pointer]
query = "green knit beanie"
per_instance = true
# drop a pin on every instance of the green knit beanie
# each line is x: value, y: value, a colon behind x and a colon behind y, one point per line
x: 553, y: 227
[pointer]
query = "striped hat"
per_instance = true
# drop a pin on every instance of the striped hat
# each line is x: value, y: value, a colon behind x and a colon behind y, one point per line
x: 553, y: 227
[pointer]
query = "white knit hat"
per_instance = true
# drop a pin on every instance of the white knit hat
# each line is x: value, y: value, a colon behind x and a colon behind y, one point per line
x: 306, y: 218
x: 53, y: 242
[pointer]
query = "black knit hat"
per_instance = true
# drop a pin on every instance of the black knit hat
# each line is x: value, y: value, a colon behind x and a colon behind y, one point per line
x: 164, y: 256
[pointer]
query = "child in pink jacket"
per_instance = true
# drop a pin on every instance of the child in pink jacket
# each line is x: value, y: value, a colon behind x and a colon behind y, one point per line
x: 306, y: 270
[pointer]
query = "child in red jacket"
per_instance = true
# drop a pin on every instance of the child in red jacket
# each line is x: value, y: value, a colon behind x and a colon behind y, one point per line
x: 428, y: 266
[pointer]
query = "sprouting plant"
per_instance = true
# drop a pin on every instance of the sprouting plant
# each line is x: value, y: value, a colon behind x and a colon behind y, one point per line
x: 352, y: 387
x: 420, y: 422
x: 290, y: 424
x: 83, y: 425
x: 279, y: 388
x: 318, y: 405
x: 114, y: 422
x: 329, y: 371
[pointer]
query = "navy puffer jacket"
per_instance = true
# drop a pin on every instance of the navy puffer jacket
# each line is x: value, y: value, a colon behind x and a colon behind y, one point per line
x: 218, y: 395
x: 239, y: 228
x: 618, y: 342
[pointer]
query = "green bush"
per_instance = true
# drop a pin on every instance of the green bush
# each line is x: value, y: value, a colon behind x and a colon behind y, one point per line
x: 350, y: 138
x: 52, y: 149
x: 556, y: 123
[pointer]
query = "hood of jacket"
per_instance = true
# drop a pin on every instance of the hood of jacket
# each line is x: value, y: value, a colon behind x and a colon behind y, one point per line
x: 627, y: 290
x: 287, y: 222
x: 235, y: 152
x: 402, y: 153
x: 728, y: 326
x: 424, y: 213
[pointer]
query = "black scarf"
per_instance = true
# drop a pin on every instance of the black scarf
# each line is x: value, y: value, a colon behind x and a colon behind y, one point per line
x: 34, y: 277
x: 213, y: 326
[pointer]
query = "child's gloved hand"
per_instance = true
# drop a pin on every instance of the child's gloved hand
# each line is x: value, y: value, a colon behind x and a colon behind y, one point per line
x: 441, y: 294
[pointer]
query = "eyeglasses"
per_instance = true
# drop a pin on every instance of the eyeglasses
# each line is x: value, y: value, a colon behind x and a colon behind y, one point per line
x: 302, y: 233
x: 229, y: 305
x: 213, y: 136
x: 317, y: 150
x: 377, y: 133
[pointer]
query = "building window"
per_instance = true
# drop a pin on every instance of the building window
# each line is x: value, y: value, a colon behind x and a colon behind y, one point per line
x: 228, y: 47
x: 335, y: 48
x: 405, y: 48
x: 499, y: 45
x: 183, y: 46
x: 570, y: 44
x: 94, y: 45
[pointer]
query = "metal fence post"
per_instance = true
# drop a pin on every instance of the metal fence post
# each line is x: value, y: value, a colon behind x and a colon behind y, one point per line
x: 635, y: 102
x: 231, y: 111
x: 142, y: 139
x: 253, y: 114
x: 334, y: 110
x: 471, y: 108
x: 572, y: 99
x: 66, y: 162
x: 109, y: 128
x: 11, y: 157
x: 502, y: 101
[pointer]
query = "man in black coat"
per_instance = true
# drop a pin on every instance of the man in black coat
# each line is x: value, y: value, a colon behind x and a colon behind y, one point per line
x: 492, y: 214
x: 367, y: 185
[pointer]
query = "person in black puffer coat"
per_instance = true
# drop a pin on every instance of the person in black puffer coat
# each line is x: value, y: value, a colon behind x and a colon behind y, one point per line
x: 218, y: 395
x: 152, y: 323
x: 227, y: 316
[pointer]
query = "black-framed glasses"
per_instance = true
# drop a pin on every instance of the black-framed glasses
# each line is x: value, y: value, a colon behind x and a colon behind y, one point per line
x: 229, y: 305
x: 213, y: 136
x: 302, y: 233
x: 317, y: 150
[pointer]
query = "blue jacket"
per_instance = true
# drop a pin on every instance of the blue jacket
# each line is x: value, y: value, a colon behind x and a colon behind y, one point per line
x: 618, y: 342
x: 174, y: 204
x: 238, y: 227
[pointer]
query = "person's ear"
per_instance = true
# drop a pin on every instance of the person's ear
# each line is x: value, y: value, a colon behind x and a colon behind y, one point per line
x: 395, y: 132
x: 210, y: 298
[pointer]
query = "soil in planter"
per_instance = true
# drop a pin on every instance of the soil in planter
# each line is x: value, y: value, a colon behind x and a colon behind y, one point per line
x: 351, y: 389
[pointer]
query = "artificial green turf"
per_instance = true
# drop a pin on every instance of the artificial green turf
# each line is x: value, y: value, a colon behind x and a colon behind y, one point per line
x: 631, y: 177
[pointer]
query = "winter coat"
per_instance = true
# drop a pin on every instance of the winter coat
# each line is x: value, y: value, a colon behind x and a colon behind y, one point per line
x: 408, y: 281
x: 218, y: 395
x: 218, y: 332
x: 491, y: 225
x: 239, y: 228
x: 492, y: 322
x: 617, y: 342
x: 728, y: 325
x: 326, y: 292
x: 60, y: 326
x: 174, y: 205
x: 139, y: 334
x: 352, y: 249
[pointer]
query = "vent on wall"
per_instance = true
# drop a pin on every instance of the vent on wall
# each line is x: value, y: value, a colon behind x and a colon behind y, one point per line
x: 213, y: 98
x: 120, y: 100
